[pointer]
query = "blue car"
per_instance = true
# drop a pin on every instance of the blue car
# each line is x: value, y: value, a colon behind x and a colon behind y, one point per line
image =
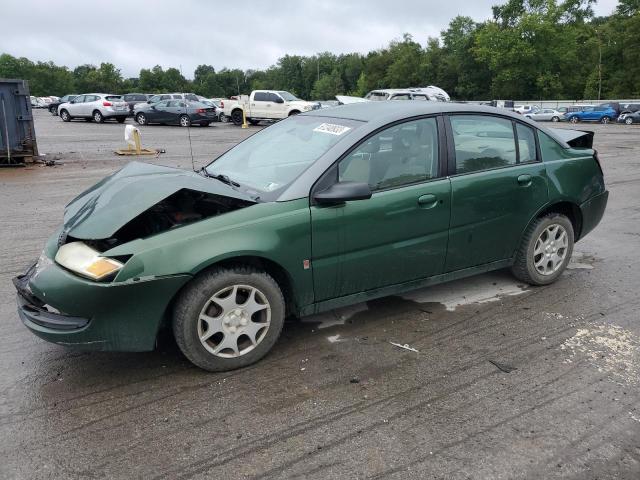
x: 591, y: 114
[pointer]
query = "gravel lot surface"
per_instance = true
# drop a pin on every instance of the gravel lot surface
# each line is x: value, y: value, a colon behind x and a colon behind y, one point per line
x: 335, y: 399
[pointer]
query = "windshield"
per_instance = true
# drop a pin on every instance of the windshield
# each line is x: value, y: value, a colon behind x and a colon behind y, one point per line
x: 288, y: 97
x: 274, y: 157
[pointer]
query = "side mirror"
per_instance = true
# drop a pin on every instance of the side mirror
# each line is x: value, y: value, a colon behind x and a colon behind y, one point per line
x: 72, y: 101
x: 343, y: 192
x: 279, y: 100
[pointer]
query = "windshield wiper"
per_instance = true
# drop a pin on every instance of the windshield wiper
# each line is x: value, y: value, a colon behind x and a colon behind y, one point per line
x: 221, y: 177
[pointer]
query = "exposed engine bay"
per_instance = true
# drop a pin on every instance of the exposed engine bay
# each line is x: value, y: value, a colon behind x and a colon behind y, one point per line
x: 181, y: 208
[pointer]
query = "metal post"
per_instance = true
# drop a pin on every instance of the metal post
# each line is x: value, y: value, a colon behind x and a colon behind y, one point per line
x: 6, y: 131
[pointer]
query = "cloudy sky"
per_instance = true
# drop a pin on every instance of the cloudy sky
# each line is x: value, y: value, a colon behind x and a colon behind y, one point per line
x: 136, y: 34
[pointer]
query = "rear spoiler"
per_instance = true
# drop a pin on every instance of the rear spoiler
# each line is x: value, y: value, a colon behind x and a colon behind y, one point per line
x: 574, y: 138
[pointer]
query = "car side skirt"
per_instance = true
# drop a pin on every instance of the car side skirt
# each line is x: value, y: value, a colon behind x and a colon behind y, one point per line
x: 402, y: 287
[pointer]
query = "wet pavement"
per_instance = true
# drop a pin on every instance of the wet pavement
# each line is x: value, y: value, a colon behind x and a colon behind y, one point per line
x: 506, y: 381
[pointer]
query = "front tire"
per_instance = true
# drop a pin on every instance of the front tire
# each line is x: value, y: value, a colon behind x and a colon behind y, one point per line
x: 545, y: 250
x: 573, y: 119
x: 293, y: 112
x: 605, y: 120
x: 64, y: 115
x: 628, y: 121
x: 53, y: 111
x: 98, y: 117
x: 121, y: 119
x: 228, y: 318
x: 254, y: 122
x: 185, y: 121
x: 555, y: 119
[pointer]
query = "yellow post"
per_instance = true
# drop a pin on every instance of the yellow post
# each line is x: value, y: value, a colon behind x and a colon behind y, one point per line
x: 136, y: 138
x: 244, y: 120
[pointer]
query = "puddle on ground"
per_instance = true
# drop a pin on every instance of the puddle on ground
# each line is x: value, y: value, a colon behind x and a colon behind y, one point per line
x: 485, y: 288
x: 609, y: 348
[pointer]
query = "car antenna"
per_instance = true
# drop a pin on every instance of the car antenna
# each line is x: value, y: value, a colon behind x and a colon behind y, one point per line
x: 186, y: 107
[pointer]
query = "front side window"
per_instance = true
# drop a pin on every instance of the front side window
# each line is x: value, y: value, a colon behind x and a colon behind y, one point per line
x: 482, y: 142
x: 287, y: 96
x: 399, y: 155
x: 272, y: 158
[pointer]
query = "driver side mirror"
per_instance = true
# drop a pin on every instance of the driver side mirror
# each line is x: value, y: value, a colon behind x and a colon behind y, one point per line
x: 343, y: 192
x: 72, y: 101
x: 279, y: 100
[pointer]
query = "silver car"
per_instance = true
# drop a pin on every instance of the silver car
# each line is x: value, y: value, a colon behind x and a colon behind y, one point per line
x: 96, y: 106
x: 545, y: 115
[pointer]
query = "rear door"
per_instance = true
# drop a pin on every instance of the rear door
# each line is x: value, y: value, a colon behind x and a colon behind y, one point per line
x: 400, y: 233
x: 497, y: 185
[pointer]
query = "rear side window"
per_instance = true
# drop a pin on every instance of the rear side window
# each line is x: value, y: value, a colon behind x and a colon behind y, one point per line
x: 482, y: 142
x: 526, y: 143
x: 550, y: 149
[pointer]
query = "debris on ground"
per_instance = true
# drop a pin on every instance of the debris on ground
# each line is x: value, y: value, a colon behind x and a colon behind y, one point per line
x: 503, y: 366
x: 405, y: 346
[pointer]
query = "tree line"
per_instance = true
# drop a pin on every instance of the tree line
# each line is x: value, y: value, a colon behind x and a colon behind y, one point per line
x: 529, y: 49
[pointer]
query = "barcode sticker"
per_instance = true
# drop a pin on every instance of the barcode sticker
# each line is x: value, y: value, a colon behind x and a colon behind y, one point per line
x: 332, y: 129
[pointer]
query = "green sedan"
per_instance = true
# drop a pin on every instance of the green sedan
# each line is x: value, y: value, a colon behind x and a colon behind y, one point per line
x: 318, y: 211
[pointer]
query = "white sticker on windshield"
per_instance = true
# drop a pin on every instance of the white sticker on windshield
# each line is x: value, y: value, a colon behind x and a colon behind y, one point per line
x: 332, y: 129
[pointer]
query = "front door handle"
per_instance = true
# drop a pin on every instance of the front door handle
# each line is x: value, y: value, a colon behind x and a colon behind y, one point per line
x: 524, y: 180
x: 428, y: 201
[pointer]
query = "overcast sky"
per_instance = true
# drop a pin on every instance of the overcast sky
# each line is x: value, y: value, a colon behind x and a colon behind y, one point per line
x: 135, y: 34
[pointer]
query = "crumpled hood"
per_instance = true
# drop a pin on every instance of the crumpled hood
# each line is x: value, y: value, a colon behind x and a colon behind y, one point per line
x: 103, y: 209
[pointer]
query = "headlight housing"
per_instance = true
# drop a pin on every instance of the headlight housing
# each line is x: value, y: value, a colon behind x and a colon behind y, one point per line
x: 86, y: 261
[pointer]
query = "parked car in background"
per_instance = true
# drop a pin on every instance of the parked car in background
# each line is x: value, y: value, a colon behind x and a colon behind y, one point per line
x: 591, y: 114
x: 175, y: 112
x: 319, y: 211
x: 268, y: 105
x: 170, y: 96
x: 524, y: 109
x: 545, y: 115
x: 615, y: 106
x: 94, y: 106
x: 214, y: 104
x: 630, y: 117
x: 37, y: 102
x: 53, y: 107
x: 134, y: 98
x: 629, y: 107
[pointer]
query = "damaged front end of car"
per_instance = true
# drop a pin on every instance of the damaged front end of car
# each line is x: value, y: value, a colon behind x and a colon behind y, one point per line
x: 91, y: 287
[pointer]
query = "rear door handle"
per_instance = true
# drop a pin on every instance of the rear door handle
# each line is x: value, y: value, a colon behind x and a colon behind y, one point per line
x: 428, y: 201
x: 524, y: 180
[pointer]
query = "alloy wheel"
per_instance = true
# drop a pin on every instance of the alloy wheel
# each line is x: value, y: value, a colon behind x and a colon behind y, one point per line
x: 550, y: 249
x: 234, y: 321
x: 97, y: 117
x: 628, y: 120
x: 141, y: 119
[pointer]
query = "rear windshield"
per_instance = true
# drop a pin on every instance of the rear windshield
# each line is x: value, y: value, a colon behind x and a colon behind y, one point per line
x: 135, y: 98
x: 113, y: 98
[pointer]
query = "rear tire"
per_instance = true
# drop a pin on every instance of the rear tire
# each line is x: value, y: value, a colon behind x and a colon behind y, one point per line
x: 543, y: 255
x: 141, y: 119
x: 184, y: 121
x: 121, y: 119
x: 628, y: 121
x: 253, y: 122
x: 574, y: 120
x: 53, y: 111
x: 210, y: 315
x: 236, y: 117
x: 605, y: 120
x: 97, y: 116
x: 64, y: 115
x: 555, y: 119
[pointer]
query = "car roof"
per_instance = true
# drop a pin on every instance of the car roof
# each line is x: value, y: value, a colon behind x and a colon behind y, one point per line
x: 386, y: 112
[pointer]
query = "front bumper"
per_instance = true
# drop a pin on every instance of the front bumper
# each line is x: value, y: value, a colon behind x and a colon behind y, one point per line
x: 592, y: 212
x: 63, y: 308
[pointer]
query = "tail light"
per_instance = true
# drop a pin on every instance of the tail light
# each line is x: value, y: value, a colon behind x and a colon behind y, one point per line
x: 200, y: 110
x: 221, y: 104
x: 107, y: 104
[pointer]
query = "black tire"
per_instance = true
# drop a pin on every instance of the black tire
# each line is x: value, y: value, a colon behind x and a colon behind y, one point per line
x: 628, y: 120
x: 141, y: 119
x: 294, y: 112
x: 184, y: 121
x: 253, y: 122
x: 97, y: 116
x: 64, y: 115
x: 121, y: 119
x: 88, y: 119
x: 205, y: 124
x: 605, y: 120
x: 236, y: 117
x: 197, y: 294
x: 574, y: 120
x: 555, y: 119
x: 524, y: 267
x: 53, y: 111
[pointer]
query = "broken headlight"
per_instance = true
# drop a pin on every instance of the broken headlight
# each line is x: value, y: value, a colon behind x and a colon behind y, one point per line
x: 86, y: 261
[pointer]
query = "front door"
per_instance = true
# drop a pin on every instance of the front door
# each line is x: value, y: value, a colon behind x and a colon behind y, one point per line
x: 261, y: 105
x: 75, y: 106
x: 497, y: 184
x: 400, y: 233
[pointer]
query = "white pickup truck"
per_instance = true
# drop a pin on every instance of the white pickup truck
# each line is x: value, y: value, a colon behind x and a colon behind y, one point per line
x: 267, y: 105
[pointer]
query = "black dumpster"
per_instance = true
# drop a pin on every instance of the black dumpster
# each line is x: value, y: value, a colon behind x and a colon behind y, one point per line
x: 17, y: 135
